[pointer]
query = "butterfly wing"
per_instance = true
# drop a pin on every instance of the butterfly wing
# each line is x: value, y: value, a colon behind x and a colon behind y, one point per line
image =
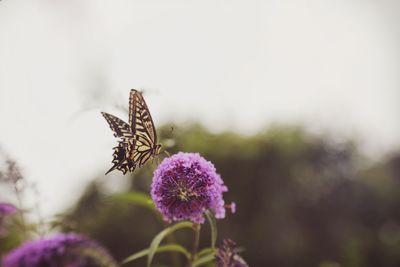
x: 138, y: 136
x: 142, y: 126
x: 140, y: 119
x: 123, y: 130
x: 142, y: 151
x: 120, y: 161
x: 118, y: 126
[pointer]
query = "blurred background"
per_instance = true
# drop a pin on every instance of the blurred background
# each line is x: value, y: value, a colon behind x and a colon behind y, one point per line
x: 295, y: 102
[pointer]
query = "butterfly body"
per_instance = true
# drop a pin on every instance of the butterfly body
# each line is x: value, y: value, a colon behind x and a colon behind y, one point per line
x: 138, y: 138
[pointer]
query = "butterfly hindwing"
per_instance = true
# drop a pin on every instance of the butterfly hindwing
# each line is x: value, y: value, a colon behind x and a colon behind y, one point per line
x: 120, y: 161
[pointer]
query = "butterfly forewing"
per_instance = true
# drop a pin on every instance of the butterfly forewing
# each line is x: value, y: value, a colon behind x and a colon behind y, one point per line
x: 141, y: 121
x: 118, y: 126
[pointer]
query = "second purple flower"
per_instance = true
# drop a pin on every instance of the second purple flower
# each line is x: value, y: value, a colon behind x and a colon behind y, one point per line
x: 61, y: 250
x: 185, y: 185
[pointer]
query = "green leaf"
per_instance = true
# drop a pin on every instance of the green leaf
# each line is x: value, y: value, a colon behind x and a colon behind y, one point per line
x: 136, y: 198
x: 213, y: 225
x: 205, y: 251
x: 164, y: 248
x: 160, y: 236
x: 202, y: 260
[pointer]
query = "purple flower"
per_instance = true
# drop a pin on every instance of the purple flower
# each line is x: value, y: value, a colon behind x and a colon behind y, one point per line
x: 231, y: 206
x: 227, y: 255
x: 62, y: 250
x: 185, y: 185
x: 6, y: 209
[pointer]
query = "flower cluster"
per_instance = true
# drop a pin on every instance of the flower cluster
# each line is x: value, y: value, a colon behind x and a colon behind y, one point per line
x: 227, y: 255
x: 62, y: 250
x: 185, y: 185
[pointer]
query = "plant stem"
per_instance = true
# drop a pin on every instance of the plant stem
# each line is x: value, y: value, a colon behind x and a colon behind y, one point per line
x: 21, y: 213
x: 195, y: 246
x: 171, y: 240
x: 41, y: 223
x: 174, y: 255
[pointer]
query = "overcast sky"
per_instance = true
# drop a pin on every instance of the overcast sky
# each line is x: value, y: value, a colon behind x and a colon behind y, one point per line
x: 237, y: 65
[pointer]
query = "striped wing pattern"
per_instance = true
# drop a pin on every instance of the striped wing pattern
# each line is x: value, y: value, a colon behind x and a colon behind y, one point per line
x: 118, y: 126
x: 120, y: 162
x: 142, y: 151
x: 138, y: 137
x: 140, y: 118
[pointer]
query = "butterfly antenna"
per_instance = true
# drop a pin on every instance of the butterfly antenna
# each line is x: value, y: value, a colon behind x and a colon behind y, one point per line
x: 166, y: 153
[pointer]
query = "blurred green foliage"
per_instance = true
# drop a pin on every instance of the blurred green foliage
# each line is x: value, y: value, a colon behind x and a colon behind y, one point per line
x: 13, y: 233
x: 302, y: 200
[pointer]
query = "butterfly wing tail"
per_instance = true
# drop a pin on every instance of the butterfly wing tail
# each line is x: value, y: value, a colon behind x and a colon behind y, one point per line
x: 120, y: 161
x: 111, y: 169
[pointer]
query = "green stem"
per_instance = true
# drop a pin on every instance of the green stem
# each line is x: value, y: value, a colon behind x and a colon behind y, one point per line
x: 195, y: 246
x: 41, y: 223
x: 20, y: 210
x: 174, y: 255
x: 171, y: 240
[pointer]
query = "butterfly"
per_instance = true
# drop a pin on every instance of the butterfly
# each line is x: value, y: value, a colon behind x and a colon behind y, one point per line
x: 138, y: 137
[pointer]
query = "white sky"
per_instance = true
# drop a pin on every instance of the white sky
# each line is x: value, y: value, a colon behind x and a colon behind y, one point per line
x: 241, y: 65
